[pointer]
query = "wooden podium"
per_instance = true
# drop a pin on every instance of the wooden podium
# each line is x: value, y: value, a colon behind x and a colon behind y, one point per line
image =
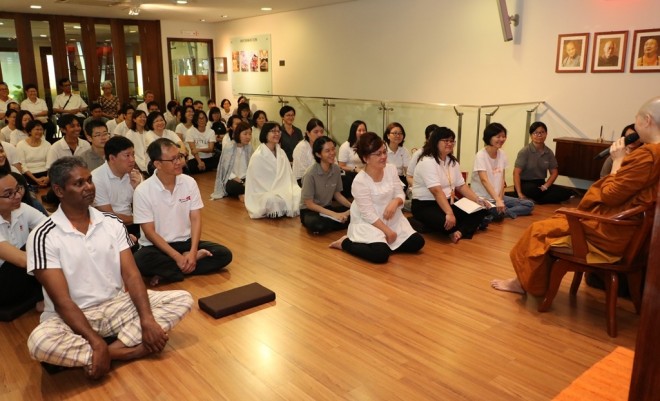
x: 575, y: 157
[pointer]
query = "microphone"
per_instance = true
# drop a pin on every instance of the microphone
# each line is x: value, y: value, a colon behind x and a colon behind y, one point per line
x: 634, y: 137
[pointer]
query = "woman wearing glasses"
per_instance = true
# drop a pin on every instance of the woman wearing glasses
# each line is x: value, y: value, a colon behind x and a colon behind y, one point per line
x: 234, y: 160
x: 397, y: 155
x: 532, y: 165
x: 270, y: 187
x: 109, y: 102
x: 378, y: 227
x: 437, y: 180
x: 32, y: 152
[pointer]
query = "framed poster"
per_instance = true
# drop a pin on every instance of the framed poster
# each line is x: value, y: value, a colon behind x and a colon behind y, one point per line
x: 645, y: 56
x: 609, y: 52
x: 572, y: 52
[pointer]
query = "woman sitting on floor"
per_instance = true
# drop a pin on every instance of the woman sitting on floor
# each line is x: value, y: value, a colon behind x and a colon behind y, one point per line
x: 378, y: 226
x: 532, y: 165
x: 32, y: 153
x: 320, y: 185
x: 437, y: 178
x: 348, y: 159
x: 270, y: 187
x: 488, y: 174
x: 234, y: 160
x: 633, y: 182
x: 302, y: 153
x: 201, y: 141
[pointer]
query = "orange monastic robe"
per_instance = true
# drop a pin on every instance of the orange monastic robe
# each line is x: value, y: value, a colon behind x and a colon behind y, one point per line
x: 636, y: 183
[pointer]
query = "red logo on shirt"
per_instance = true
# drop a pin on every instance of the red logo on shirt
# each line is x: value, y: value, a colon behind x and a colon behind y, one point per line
x: 186, y: 199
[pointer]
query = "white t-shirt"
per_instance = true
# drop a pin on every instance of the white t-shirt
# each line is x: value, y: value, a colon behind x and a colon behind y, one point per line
x: 23, y: 219
x: 400, y: 159
x: 10, y: 152
x: 121, y: 129
x: 140, y: 146
x: 35, y: 108
x: 349, y: 156
x: 16, y: 136
x: 429, y: 174
x: 5, y: 133
x: 413, y: 162
x: 494, y: 169
x: 71, y: 101
x: 61, y: 149
x: 33, y: 159
x: 302, y: 158
x: 169, y: 211
x: 201, y: 140
x: 112, y: 125
x: 112, y: 190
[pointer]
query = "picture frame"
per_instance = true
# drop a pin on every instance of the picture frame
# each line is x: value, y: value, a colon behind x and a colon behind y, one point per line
x: 609, y: 51
x: 220, y: 64
x: 572, y: 52
x: 645, y: 56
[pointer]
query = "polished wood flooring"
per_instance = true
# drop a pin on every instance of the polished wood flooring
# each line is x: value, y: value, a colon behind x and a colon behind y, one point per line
x: 421, y: 327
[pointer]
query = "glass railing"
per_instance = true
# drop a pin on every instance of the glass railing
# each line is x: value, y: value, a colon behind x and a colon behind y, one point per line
x: 467, y: 121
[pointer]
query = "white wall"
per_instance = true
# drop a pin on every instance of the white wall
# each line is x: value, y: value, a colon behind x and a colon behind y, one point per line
x: 447, y: 51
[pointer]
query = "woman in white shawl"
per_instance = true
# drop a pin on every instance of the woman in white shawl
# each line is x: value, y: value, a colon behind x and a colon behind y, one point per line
x: 270, y: 187
x: 234, y: 160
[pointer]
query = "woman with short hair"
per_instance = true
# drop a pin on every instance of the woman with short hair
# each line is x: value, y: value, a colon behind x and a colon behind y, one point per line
x: 234, y: 160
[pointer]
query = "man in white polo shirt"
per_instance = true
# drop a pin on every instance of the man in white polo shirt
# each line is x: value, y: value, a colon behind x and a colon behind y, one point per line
x: 68, y: 102
x: 168, y: 207
x: 116, y: 180
x: 96, y: 306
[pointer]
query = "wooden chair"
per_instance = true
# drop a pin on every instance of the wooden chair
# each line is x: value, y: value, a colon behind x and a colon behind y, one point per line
x: 632, y: 264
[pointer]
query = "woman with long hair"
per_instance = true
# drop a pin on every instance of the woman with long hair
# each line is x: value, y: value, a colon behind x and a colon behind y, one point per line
x: 234, y: 160
x: 303, y: 157
x: 348, y: 159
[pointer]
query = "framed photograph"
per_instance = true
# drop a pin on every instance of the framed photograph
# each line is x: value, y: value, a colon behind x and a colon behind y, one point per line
x: 609, y: 52
x: 645, y: 57
x: 572, y: 52
x: 220, y: 65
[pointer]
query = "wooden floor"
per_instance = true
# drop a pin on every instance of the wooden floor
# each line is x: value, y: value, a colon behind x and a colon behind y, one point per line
x: 421, y: 327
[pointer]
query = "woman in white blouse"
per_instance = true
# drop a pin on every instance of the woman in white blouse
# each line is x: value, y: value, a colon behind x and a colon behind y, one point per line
x: 138, y: 135
x: 201, y: 141
x: 437, y: 179
x: 378, y: 226
x: 259, y: 118
x: 397, y: 155
x: 234, y: 160
x: 302, y: 153
x: 156, y: 129
x: 348, y: 159
x: 32, y: 153
x: 10, y: 120
x: 22, y: 119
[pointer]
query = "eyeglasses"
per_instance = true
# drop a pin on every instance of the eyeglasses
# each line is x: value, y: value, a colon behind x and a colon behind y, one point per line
x: 275, y: 131
x: 379, y: 153
x: 101, y: 135
x: 397, y: 133
x: 448, y: 141
x: 20, y: 189
x: 179, y: 158
x: 535, y: 133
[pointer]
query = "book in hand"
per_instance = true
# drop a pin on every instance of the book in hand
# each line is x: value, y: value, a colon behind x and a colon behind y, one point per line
x: 327, y: 216
x: 236, y: 300
x: 470, y: 207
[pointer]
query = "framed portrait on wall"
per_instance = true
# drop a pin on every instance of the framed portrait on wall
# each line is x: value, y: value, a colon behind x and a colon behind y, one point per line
x: 609, y: 52
x: 645, y: 56
x: 572, y: 52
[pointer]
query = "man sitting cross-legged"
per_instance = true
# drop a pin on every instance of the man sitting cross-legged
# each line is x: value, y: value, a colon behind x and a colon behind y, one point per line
x: 93, y: 291
x: 168, y: 207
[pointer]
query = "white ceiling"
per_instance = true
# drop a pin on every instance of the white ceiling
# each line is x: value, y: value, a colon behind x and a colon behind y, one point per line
x: 195, y: 10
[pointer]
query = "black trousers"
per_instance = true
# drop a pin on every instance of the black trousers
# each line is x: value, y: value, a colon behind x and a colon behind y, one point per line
x: 429, y: 213
x: 211, y: 163
x: 318, y: 224
x: 153, y: 262
x: 347, y: 183
x: 16, y: 286
x: 379, y: 252
x: 554, y: 194
x: 235, y: 188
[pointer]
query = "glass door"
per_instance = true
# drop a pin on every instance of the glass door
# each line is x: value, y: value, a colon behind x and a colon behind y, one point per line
x: 191, y: 68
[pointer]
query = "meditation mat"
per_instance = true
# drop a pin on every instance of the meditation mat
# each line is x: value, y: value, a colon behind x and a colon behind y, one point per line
x: 606, y: 380
x: 235, y: 300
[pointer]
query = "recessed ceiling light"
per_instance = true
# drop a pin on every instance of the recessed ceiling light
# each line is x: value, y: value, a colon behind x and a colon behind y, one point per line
x: 224, y: 16
x: 2, y: 23
x: 35, y: 6
x: 181, y: 1
x: 132, y: 31
x: 202, y: 20
x: 266, y: 9
x: 76, y: 27
x: 43, y: 36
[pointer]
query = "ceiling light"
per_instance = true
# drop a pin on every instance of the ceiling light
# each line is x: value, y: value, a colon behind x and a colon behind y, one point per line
x: 181, y: 1
x: 266, y: 9
x: 43, y: 36
x: 76, y: 27
x: 2, y: 23
x: 134, y: 11
x: 36, y: 7
x: 224, y: 16
x: 202, y: 20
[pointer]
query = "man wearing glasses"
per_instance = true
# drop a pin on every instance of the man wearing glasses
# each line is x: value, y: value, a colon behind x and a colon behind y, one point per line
x: 68, y: 102
x: 168, y: 207
x: 97, y: 134
x: 16, y: 221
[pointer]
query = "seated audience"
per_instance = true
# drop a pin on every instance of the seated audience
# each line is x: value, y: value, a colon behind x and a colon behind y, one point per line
x: 32, y: 153
x: 96, y: 133
x: 488, y: 175
x: 607, y: 165
x: 201, y: 141
x: 138, y: 135
x: 156, y: 125
x: 437, y: 178
x: 244, y: 113
x: 397, y: 154
x: 632, y: 182
x: 168, y: 207
x: 302, y: 154
x: 170, y: 115
x: 187, y: 101
x: 16, y: 221
x: 225, y: 106
x: 109, y: 103
x: 198, y: 105
x: 234, y: 160
x: 532, y: 165
x: 116, y: 181
x: 10, y: 125
x: 378, y: 226
x: 348, y: 159
x: 147, y: 97
x: 232, y: 123
x: 270, y: 187
x: 186, y: 123
x: 291, y: 134
x: 93, y: 291
x: 259, y: 118
x: 321, y: 184
x: 68, y: 102
x: 34, y: 104
x: 126, y: 124
x: 95, y: 114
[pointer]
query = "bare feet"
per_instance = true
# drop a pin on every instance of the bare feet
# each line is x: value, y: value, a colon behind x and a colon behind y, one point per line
x: 154, y: 281
x: 455, y: 237
x: 508, y: 285
x: 337, y: 244
x: 39, y: 306
x: 203, y: 253
x: 241, y: 198
x: 118, y: 351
